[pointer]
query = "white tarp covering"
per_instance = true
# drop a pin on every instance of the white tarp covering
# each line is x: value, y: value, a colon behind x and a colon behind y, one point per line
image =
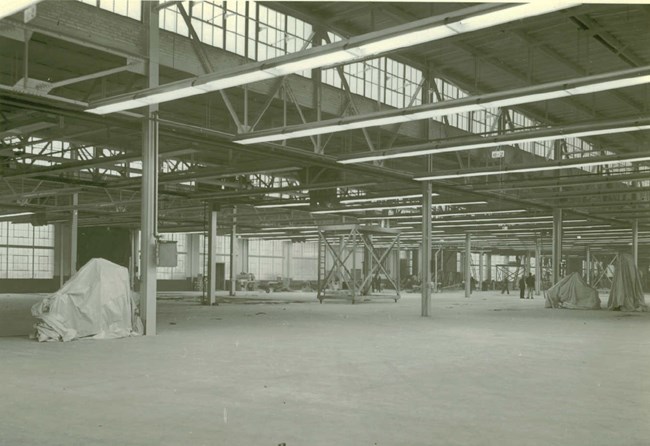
x: 96, y: 302
x: 626, y: 293
x: 574, y: 293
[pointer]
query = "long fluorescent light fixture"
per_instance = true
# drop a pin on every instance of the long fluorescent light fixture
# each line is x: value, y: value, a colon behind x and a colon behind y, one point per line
x: 356, y: 48
x: 19, y: 214
x: 285, y: 228
x: 501, y: 220
x: 517, y: 96
x: 280, y: 205
x: 539, y: 168
x: 547, y: 134
x: 436, y: 217
x: 372, y: 200
x: 9, y: 7
x: 404, y: 206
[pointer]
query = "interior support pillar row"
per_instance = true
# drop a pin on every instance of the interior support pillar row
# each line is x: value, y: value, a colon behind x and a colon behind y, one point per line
x: 468, y: 264
x: 148, y: 217
x: 635, y: 242
x: 488, y: 266
x: 74, y: 231
x: 557, y: 245
x: 212, y: 257
x: 435, y: 272
x: 588, y: 265
x: 480, y: 271
x: 426, y: 249
x: 233, y: 253
x: 538, y: 266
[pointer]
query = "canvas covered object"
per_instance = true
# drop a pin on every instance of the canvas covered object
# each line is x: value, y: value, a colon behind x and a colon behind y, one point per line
x: 572, y: 292
x: 626, y: 293
x: 96, y: 302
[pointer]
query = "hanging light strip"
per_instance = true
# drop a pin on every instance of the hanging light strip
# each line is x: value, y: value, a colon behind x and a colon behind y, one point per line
x: 517, y: 96
x: 357, y: 48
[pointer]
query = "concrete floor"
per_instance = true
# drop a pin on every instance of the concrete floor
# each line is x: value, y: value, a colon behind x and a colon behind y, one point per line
x: 489, y: 370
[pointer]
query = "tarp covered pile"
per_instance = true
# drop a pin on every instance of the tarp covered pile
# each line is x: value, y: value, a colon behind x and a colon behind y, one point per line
x: 96, y: 302
x: 572, y: 292
x: 626, y: 293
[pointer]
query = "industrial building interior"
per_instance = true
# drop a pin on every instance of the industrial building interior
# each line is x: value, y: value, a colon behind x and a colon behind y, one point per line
x: 320, y: 206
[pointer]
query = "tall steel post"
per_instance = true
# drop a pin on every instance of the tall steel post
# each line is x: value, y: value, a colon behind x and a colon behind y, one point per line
x: 588, y: 265
x: 212, y: 257
x: 468, y: 264
x: 538, y: 266
x: 635, y: 242
x: 480, y: 271
x: 488, y: 266
x: 426, y: 249
x: 149, y: 218
x: 233, y: 253
x: 557, y: 244
x: 435, y: 272
x: 74, y: 230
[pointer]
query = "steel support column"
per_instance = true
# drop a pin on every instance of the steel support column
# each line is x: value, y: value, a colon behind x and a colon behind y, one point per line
x: 426, y: 249
x: 588, y: 266
x: 557, y: 245
x: 149, y: 218
x: 435, y: 271
x: 468, y: 264
x: 480, y: 271
x: 212, y: 258
x: 538, y: 266
x: 233, y: 252
x: 488, y: 266
x: 74, y: 230
x: 635, y: 242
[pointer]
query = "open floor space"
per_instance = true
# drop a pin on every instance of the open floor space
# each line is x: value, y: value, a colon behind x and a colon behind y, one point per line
x: 265, y: 369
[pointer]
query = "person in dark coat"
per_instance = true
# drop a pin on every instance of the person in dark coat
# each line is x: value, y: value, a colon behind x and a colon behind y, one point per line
x: 376, y: 283
x: 504, y: 288
x: 522, y: 287
x: 530, y: 284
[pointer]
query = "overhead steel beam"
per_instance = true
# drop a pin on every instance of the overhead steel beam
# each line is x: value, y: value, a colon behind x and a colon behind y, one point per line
x: 607, y: 204
x: 513, y: 97
x: 86, y: 164
x: 548, y: 51
x: 476, y: 142
x: 46, y: 87
x: 604, y: 37
x: 275, y: 190
x: 317, y: 56
x: 591, y: 192
x: 583, y: 179
x: 67, y: 36
x: 463, y: 81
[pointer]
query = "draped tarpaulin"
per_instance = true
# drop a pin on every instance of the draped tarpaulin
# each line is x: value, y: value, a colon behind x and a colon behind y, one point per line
x: 626, y: 293
x: 96, y: 302
x: 572, y: 292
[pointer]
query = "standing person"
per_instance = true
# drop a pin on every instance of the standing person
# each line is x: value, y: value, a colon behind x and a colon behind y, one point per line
x: 522, y: 287
x: 504, y: 288
x: 530, y: 284
x: 376, y: 283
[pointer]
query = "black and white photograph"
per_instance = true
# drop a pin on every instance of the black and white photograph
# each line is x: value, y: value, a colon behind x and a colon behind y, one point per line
x: 315, y: 223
